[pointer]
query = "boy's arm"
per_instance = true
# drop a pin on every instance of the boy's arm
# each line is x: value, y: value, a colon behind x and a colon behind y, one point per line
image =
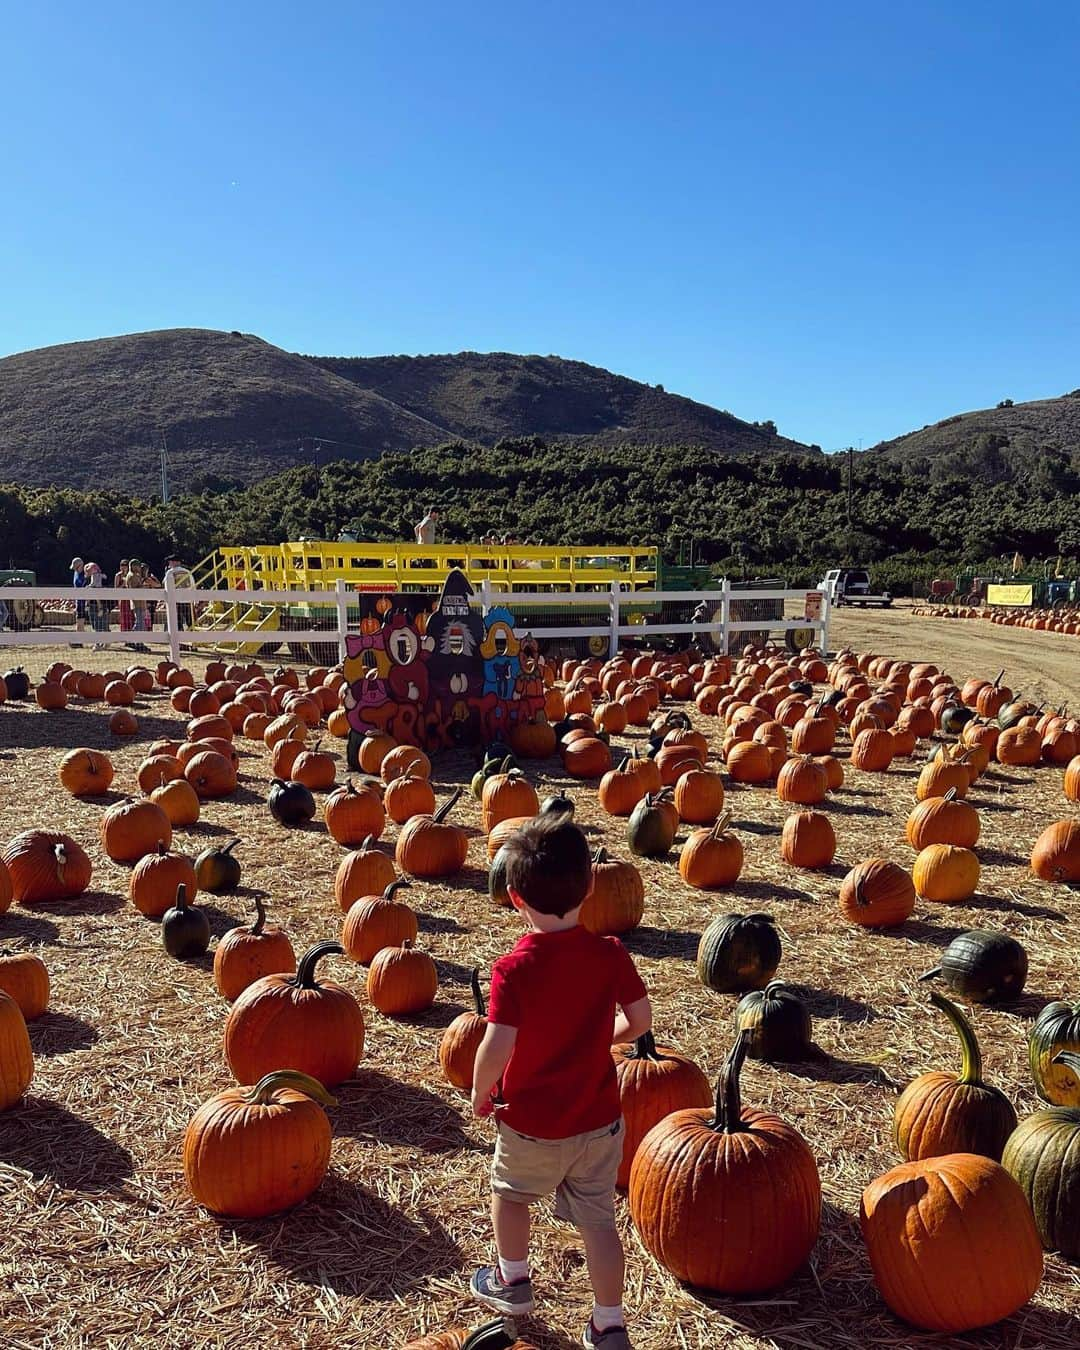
x: 491, y: 1059
x: 632, y: 1021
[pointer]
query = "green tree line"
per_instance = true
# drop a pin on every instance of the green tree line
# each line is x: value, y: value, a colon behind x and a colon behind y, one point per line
x: 784, y: 515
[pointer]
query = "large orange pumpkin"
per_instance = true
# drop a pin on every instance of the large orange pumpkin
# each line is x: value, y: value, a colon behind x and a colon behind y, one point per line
x: 946, y: 873
x: 25, y: 978
x: 808, y: 840
x: 43, y: 865
x: 461, y: 1040
x: 943, y: 820
x: 377, y: 921
x: 428, y: 846
x: 249, y: 1152
x: 877, y: 894
x: 653, y: 1082
x: 154, y: 879
x: 354, y: 814
x: 952, y: 1242
x: 712, y: 858
x: 16, y: 1054
x: 86, y: 773
x: 402, y: 980
x: 245, y: 955
x: 617, y: 900
x: 1056, y: 855
x: 704, y: 1178
x: 363, y: 872
x: 294, y: 1022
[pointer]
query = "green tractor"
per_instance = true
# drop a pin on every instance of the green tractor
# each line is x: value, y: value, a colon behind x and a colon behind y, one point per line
x: 20, y: 615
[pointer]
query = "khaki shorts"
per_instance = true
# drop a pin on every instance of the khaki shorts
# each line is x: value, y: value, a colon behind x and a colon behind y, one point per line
x: 580, y: 1170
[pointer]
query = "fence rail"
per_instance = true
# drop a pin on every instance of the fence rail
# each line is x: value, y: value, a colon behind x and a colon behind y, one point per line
x: 610, y: 606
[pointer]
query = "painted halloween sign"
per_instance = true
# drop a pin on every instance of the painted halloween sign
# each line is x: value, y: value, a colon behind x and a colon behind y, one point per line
x: 439, y: 674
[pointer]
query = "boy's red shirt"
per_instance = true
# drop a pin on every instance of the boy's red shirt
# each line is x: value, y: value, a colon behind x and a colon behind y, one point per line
x: 560, y: 990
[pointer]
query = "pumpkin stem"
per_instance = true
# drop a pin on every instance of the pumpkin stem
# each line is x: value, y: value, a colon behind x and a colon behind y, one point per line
x: 181, y: 897
x: 507, y: 764
x: 971, y: 1061
x: 60, y: 853
x: 728, y: 1118
x: 447, y: 806
x: 500, y: 1335
x: 600, y: 856
x: 262, y: 1094
x: 305, y: 970
x: 477, y: 992
x: 723, y: 820
x: 369, y: 843
x: 645, y: 1048
x: 931, y: 974
x: 230, y: 846
x: 393, y: 887
x: 950, y: 795
x: 260, y: 916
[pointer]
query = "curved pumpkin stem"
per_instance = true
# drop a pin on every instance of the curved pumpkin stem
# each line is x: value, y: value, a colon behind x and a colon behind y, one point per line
x: 305, y: 969
x: 728, y: 1118
x: 477, y: 993
x: 600, y: 856
x: 181, y: 897
x: 393, y: 887
x: 60, y: 854
x: 645, y: 1048
x: 971, y: 1061
x: 368, y: 844
x: 262, y: 1094
x: 723, y: 820
x: 499, y: 1335
x: 931, y: 974
x: 260, y: 916
x: 447, y: 806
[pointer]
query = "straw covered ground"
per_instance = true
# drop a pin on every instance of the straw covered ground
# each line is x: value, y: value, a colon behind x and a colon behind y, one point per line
x: 104, y: 1247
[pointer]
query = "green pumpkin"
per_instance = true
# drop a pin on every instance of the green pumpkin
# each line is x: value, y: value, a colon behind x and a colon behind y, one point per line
x: 652, y: 826
x: 955, y: 718
x: 216, y: 870
x: 559, y: 805
x: 1012, y: 712
x: 739, y: 952
x: 1056, y: 1028
x: 777, y: 1023
x: 982, y: 966
x: 490, y: 767
x: 1043, y: 1154
x: 185, y: 929
x: 497, y: 879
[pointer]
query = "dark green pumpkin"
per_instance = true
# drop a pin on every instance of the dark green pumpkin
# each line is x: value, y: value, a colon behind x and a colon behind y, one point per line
x: 499, y: 1335
x: 185, y: 929
x: 217, y: 870
x: 982, y: 966
x: 290, y: 803
x: 1056, y: 1028
x: 18, y: 683
x: 497, y: 879
x: 939, y: 1113
x: 488, y: 769
x: 738, y: 952
x: 652, y: 826
x: 777, y: 1023
x: 559, y: 805
x: 1012, y: 712
x: 1043, y: 1154
x: 955, y: 718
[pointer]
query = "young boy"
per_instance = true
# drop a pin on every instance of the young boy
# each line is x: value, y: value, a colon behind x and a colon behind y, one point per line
x: 551, y: 1024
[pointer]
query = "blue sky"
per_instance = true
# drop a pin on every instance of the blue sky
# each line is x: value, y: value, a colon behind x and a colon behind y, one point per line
x: 852, y: 218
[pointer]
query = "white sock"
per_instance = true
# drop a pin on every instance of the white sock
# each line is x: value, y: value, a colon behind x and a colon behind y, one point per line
x: 603, y: 1318
x: 512, y: 1271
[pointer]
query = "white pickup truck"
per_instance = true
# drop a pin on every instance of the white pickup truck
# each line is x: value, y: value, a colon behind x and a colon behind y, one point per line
x: 851, y: 586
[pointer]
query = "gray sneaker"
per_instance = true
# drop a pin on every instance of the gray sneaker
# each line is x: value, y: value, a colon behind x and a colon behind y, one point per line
x: 615, y: 1338
x: 488, y: 1285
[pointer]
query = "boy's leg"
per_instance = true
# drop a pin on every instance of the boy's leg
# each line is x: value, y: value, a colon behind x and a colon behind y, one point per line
x: 510, y: 1220
x: 607, y: 1266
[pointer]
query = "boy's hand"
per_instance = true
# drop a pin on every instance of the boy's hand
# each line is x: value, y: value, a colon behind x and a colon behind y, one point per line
x: 482, y: 1106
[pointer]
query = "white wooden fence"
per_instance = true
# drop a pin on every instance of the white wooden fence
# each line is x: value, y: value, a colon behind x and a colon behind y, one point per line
x: 614, y: 607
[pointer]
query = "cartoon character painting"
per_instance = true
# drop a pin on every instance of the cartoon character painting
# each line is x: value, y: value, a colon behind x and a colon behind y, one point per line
x: 442, y: 677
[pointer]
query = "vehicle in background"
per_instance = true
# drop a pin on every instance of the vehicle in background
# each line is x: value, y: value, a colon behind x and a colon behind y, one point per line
x: 851, y: 586
x: 22, y: 615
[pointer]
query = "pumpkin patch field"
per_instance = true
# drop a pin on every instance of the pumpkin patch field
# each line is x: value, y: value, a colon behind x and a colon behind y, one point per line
x: 242, y: 984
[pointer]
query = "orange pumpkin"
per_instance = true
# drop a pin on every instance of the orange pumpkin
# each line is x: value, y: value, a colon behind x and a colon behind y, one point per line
x: 365, y: 871
x: 86, y: 773
x: 946, y: 873
x: 808, y: 840
x: 877, y: 894
x: 132, y: 829
x: 402, y: 980
x: 461, y: 1040
x: 353, y: 815
x: 247, y: 954
x: 428, y: 846
x: 712, y: 858
x: 154, y: 879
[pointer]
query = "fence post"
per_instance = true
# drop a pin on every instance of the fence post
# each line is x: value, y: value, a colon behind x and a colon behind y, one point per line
x: 485, y: 595
x: 341, y: 596
x: 171, y: 617
x: 826, y: 612
x: 725, y: 611
x: 613, y: 600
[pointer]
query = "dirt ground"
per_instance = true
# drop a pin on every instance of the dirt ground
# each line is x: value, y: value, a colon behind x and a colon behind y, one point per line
x: 103, y: 1246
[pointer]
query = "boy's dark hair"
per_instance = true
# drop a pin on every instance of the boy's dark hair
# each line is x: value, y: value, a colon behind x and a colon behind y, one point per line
x: 549, y: 865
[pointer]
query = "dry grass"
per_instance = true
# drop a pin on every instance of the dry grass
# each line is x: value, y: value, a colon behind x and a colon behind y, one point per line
x: 105, y: 1247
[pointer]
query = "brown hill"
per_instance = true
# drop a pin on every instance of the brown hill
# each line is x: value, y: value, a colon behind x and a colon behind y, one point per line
x: 996, y: 444
x: 231, y: 406
x: 483, y: 396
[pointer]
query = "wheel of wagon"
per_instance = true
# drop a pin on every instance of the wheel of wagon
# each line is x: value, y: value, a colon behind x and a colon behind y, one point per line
x: 597, y: 645
x: 798, y: 639
x: 22, y: 615
x: 713, y: 641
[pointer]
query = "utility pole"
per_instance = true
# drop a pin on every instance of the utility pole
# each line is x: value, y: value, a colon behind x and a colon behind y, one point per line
x: 850, y: 482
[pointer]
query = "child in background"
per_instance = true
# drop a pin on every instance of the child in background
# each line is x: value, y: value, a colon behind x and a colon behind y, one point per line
x: 545, y: 1069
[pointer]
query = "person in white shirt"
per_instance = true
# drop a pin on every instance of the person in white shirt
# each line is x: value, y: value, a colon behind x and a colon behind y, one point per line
x: 181, y: 578
x: 425, y: 531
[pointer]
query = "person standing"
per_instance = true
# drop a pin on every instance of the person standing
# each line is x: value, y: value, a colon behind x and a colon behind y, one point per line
x: 79, y: 581
x: 179, y: 577
x: 425, y: 531
x: 148, y: 579
x: 120, y: 581
x: 98, y: 609
x: 135, y: 582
